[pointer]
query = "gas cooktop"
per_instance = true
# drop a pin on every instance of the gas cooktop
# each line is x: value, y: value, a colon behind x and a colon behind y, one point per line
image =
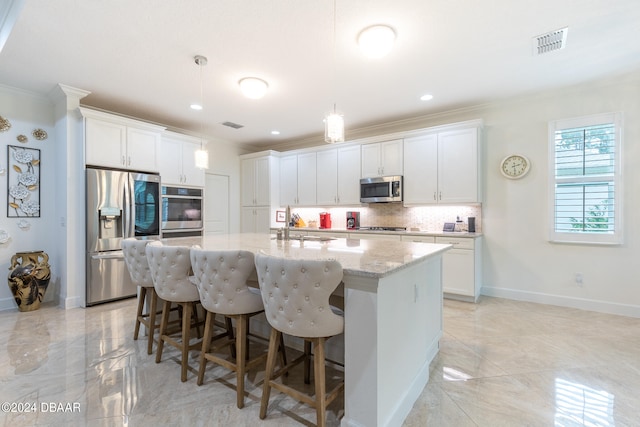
x: 383, y: 228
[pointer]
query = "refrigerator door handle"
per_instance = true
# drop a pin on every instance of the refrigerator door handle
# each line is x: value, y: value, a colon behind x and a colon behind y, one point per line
x: 128, y: 207
x: 109, y: 255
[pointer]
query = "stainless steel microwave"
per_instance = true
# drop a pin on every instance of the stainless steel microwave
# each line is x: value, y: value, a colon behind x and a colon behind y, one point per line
x: 381, y: 189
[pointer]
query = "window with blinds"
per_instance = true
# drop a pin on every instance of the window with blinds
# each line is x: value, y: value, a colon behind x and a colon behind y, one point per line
x: 585, y: 167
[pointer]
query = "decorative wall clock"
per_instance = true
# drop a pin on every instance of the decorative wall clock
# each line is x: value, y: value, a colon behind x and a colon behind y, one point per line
x: 515, y: 166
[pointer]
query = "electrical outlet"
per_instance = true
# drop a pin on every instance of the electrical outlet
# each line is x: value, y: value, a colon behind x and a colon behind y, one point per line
x: 579, y: 279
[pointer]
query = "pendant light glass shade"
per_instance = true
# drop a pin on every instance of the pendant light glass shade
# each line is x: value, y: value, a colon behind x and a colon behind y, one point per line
x: 201, y: 155
x: 202, y: 158
x: 334, y: 128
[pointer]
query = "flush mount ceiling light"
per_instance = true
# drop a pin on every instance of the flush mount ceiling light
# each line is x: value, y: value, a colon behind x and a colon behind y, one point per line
x: 201, y: 155
x: 426, y: 97
x: 253, y: 87
x: 377, y: 40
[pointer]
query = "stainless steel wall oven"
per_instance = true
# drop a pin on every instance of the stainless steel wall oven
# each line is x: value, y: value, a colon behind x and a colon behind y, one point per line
x: 182, y: 214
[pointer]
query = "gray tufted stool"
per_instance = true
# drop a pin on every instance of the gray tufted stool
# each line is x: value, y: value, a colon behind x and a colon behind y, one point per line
x: 295, y: 294
x: 170, y: 267
x: 135, y: 257
x: 222, y: 281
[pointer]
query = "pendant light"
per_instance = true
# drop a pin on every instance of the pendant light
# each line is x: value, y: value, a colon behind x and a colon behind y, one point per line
x: 201, y: 155
x: 334, y: 122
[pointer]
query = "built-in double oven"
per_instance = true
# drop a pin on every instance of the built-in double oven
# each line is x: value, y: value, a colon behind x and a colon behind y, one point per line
x: 182, y: 212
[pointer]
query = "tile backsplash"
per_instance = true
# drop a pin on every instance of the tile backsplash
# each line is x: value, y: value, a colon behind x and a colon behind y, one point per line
x: 425, y: 218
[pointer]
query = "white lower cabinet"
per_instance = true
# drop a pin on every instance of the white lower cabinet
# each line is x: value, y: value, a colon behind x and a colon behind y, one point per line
x: 256, y: 219
x: 461, y: 268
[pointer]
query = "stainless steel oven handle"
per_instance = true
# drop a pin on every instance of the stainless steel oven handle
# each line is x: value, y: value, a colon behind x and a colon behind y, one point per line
x: 165, y: 196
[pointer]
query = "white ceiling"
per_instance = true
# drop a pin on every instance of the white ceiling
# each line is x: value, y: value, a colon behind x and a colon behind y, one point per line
x: 136, y: 57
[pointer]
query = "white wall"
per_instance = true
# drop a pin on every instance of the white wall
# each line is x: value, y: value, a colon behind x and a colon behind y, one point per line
x: 26, y: 112
x: 519, y: 261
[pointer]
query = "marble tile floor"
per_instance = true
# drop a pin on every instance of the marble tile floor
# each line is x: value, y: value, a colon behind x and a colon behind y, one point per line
x: 501, y: 363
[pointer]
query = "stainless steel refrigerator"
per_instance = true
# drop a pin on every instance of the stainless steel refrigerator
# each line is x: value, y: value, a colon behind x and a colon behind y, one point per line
x: 120, y: 204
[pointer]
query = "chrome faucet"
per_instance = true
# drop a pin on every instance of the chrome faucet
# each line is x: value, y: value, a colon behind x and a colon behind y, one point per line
x: 287, y: 220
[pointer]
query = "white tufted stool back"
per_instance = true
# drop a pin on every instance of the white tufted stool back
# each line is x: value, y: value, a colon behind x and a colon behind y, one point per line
x: 135, y: 258
x: 295, y: 294
x: 222, y: 281
x: 170, y: 268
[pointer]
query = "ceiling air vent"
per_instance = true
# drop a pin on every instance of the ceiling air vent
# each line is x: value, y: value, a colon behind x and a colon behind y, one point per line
x: 554, y: 40
x: 233, y: 125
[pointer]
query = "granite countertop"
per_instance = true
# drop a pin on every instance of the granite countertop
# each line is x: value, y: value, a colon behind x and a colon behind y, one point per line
x: 359, y: 257
x: 425, y: 233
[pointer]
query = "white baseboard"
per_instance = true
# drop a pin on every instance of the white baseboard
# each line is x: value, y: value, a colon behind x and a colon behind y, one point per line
x: 8, y: 304
x: 563, y: 301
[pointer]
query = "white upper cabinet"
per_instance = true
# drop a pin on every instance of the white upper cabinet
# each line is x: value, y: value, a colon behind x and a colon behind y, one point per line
x: 327, y: 177
x: 338, y: 176
x: 259, y: 180
x: 442, y: 167
x: 119, y: 142
x: 177, y: 160
x: 458, y: 178
x: 382, y: 158
x: 298, y: 180
x: 420, y: 182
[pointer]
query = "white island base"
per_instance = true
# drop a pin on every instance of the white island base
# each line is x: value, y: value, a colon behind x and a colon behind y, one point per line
x: 391, y: 336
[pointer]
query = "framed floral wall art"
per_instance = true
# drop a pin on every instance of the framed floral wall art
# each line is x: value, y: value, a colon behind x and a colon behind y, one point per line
x: 23, y: 183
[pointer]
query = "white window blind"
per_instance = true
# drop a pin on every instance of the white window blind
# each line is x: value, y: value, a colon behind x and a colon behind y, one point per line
x: 586, y: 181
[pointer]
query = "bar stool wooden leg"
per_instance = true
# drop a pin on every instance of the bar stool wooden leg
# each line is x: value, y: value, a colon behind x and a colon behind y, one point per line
x: 241, y: 356
x: 166, y: 308
x: 319, y: 373
x: 141, y: 297
x: 206, y: 341
x: 152, y: 319
x: 186, y: 334
x: 274, y: 339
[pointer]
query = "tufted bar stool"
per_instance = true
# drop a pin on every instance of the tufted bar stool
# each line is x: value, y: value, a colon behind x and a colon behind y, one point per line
x: 222, y: 282
x: 170, y: 267
x: 295, y: 294
x: 135, y: 257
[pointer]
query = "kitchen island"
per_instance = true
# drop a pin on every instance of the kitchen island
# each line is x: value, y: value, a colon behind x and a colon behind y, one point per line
x: 393, y: 315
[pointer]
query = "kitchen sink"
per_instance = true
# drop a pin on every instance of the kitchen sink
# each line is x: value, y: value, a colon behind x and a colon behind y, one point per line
x: 313, y: 238
x: 304, y: 238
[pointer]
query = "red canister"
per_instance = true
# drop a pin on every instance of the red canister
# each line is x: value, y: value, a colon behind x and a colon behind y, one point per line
x: 325, y: 220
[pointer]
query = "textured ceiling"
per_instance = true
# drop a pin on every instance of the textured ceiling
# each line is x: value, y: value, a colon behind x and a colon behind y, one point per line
x: 136, y: 57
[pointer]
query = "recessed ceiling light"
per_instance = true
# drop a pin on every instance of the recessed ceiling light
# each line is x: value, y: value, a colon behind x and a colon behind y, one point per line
x: 426, y: 97
x: 377, y: 40
x: 275, y: 132
x: 196, y: 107
x: 253, y: 87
